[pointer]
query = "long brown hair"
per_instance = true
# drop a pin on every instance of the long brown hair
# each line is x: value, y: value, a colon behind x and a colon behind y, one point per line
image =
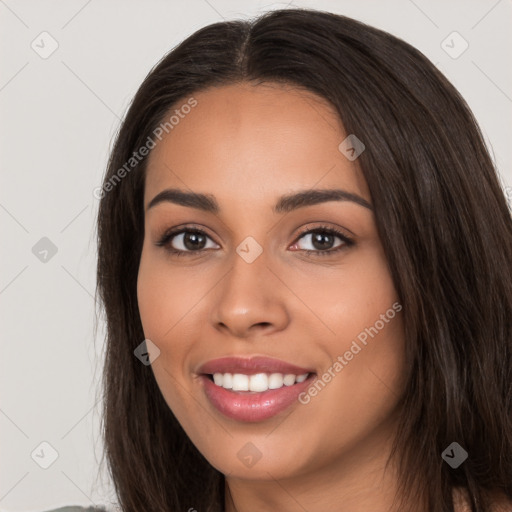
x: 443, y: 221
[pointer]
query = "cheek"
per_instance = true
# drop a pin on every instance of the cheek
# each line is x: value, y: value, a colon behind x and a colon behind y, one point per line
x: 152, y: 299
x: 170, y: 302
x: 366, y: 346
x: 160, y: 309
x: 353, y: 298
x: 166, y: 297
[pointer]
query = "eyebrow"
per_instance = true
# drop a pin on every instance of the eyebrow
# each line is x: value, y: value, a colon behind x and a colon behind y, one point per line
x: 286, y: 203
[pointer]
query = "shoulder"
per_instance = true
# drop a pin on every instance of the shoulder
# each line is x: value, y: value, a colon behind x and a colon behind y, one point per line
x: 499, y: 502
x: 76, y: 508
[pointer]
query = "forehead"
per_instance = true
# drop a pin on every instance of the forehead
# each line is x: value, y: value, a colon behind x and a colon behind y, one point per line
x: 253, y: 142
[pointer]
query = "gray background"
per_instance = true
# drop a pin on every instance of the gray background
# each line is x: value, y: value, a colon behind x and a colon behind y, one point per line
x: 59, y: 115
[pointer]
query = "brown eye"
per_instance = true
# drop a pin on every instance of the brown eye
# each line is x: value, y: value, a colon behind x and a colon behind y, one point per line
x: 322, y: 241
x: 186, y: 241
x: 191, y: 240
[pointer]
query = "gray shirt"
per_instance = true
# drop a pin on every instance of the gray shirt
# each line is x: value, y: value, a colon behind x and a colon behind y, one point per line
x: 76, y: 508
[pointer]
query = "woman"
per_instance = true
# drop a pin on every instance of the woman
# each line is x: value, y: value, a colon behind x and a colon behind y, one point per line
x: 304, y: 258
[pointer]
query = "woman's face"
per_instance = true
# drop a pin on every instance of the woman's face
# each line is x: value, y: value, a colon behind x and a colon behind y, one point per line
x: 269, y: 281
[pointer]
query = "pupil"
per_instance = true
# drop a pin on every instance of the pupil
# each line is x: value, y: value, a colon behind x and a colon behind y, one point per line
x: 322, y: 240
x: 193, y: 240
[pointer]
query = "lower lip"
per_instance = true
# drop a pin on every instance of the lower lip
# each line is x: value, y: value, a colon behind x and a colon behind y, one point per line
x: 253, y: 406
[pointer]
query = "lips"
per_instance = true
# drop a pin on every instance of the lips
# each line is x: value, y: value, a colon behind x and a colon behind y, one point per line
x: 248, y: 406
x: 250, y: 366
x: 251, y: 406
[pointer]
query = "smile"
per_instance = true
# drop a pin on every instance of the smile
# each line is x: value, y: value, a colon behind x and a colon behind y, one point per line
x: 247, y: 405
x: 258, y: 382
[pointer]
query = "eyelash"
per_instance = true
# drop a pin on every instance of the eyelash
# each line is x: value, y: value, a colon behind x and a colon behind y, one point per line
x: 169, y: 235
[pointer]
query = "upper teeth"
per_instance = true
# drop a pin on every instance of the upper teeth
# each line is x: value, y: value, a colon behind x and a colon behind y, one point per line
x: 256, y: 382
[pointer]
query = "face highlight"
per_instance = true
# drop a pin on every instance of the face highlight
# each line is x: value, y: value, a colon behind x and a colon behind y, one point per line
x: 256, y: 269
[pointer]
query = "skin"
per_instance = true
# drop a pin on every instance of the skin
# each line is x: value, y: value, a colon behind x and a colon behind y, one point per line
x: 248, y: 145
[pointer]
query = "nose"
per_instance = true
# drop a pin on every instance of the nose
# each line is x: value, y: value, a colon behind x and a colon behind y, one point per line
x: 250, y: 300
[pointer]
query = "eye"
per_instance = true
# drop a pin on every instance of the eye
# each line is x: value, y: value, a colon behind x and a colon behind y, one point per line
x: 185, y: 241
x: 321, y: 240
